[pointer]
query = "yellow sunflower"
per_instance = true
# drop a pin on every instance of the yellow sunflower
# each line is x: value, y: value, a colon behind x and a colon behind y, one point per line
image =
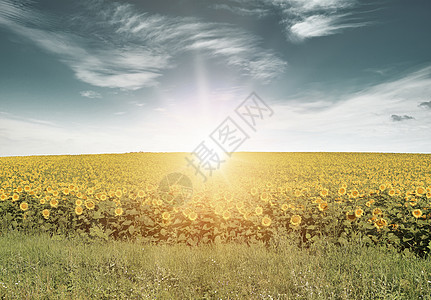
x: 118, y: 211
x: 23, y: 206
x: 264, y: 197
x: 295, y: 220
x: 266, y: 221
x: 53, y: 203
x: 226, y: 215
x: 324, y: 192
x: 323, y: 206
x: 193, y: 216
x: 258, y: 210
x: 420, y: 190
x: 166, y: 215
x: 417, y: 213
x: 89, y: 204
x: 45, y: 213
x: 377, y: 212
x: 380, y: 223
x: 359, y: 212
x: 342, y: 191
x: 78, y: 210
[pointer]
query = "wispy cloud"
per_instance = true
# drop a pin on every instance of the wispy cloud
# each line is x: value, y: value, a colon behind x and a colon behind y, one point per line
x: 303, y: 19
x: 243, y: 11
x: 90, y: 94
x: 318, y: 25
x: 113, y: 45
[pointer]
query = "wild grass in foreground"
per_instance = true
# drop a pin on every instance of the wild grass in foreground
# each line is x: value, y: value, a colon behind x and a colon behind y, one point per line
x: 55, y: 268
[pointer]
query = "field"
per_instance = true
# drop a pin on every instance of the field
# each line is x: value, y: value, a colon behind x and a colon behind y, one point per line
x: 258, y: 205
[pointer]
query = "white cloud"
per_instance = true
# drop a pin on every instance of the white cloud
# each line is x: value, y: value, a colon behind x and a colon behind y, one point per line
x: 318, y: 25
x: 242, y: 11
x: 90, y: 94
x: 112, y: 45
x: 359, y: 122
x: 303, y: 19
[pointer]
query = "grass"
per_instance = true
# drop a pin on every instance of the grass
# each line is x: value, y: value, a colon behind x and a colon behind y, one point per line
x: 43, y: 267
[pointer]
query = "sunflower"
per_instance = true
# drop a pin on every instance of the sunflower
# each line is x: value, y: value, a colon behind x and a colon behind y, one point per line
x: 42, y: 201
x: 193, y: 216
x: 391, y: 193
x: 166, y: 222
x: 78, y: 210
x: 15, y: 197
x: 382, y: 187
x: 141, y: 194
x: 258, y: 210
x: 240, y: 206
x: 359, y: 212
x: 26, y: 188
x: 266, y: 221
x: 149, y: 187
x: 318, y: 200
x: 66, y: 191
x: 377, y: 212
x: 264, y: 197
x: 253, y: 191
x: 351, y: 216
x: 102, y: 197
x: 3, y: 197
x: 23, y: 206
x: 428, y: 195
x: 380, y: 223
x: 298, y: 193
x: 166, y: 215
x: 324, y: 192
x: 53, y: 203
x: 118, y: 193
x: 284, y: 207
x: 295, y: 220
x: 118, y: 211
x: 45, y: 213
x: 323, y: 206
x: 417, y: 213
x: 226, y: 215
x: 420, y: 190
x: 89, y: 204
x: 78, y: 202
x: 354, y: 193
x: 218, y: 209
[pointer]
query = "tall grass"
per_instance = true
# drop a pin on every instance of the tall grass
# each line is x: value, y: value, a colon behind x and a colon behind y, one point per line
x: 44, y: 267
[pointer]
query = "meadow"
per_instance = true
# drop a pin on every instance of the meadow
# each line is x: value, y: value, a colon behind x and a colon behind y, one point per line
x: 276, y: 225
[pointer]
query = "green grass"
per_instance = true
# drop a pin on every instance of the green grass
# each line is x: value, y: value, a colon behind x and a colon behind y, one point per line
x: 42, y: 267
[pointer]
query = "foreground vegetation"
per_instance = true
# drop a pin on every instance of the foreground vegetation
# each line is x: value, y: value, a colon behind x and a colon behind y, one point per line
x: 45, y: 267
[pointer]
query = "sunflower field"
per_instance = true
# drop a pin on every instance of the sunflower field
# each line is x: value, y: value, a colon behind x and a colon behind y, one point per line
x: 371, y: 198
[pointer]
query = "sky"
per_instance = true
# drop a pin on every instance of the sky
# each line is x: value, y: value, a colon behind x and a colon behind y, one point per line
x: 98, y: 76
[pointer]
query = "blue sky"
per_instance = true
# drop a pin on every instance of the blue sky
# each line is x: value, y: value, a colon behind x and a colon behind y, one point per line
x: 102, y: 76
